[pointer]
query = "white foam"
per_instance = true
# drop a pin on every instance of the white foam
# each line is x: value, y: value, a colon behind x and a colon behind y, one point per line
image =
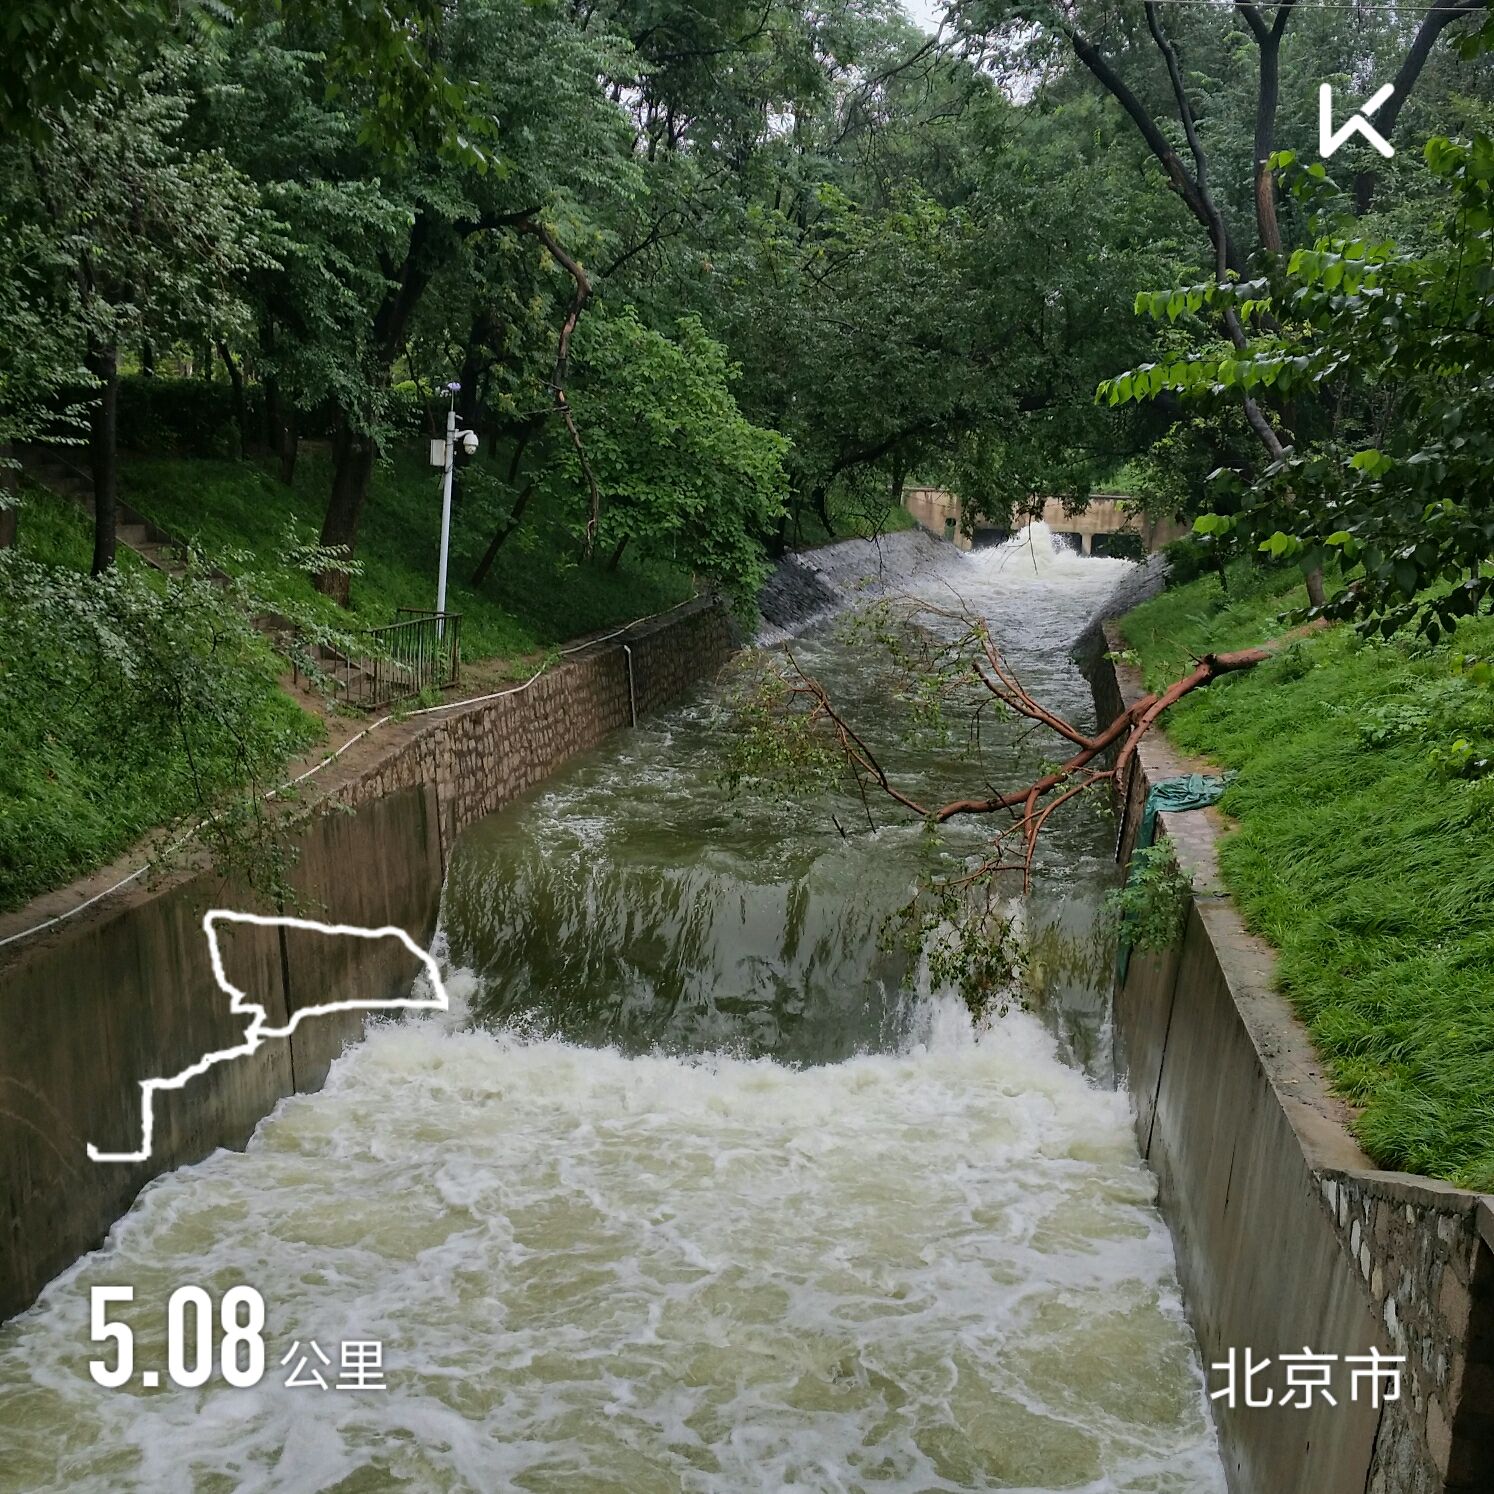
x: 934, y: 1269
x: 939, y: 1268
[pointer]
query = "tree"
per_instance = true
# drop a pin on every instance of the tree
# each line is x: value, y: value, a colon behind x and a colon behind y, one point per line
x: 551, y: 127
x: 1126, y: 72
x: 791, y: 729
x: 264, y: 103
x: 149, y: 236
x: 909, y: 290
x: 681, y: 471
x: 55, y: 53
x: 1394, y: 348
x: 39, y: 364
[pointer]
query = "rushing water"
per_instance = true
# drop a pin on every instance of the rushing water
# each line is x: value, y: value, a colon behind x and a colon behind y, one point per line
x: 699, y: 1190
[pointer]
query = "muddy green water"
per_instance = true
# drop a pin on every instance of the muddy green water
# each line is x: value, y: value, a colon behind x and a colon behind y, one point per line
x: 697, y: 1189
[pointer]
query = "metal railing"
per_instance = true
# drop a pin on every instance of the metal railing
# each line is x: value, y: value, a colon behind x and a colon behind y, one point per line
x: 421, y: 651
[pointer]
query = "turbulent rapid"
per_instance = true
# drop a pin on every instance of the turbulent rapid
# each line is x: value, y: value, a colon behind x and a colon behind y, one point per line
x: 700, y: 1189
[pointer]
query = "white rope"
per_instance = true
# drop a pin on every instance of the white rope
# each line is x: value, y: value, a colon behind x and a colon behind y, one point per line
x: 331, y: 757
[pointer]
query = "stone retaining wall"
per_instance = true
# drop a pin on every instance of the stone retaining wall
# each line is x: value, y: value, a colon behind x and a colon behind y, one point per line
x: 480, y: 759
x: 125, y: 991
x: 1287, y: 1235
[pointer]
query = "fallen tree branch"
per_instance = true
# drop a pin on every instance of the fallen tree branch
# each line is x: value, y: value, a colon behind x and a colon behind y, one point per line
x: 1032, y: 804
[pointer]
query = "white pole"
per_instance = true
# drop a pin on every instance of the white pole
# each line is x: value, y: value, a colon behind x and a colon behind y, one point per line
x: 445, y: 516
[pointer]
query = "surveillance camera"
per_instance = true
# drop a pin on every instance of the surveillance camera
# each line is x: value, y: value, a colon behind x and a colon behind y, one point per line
x: 469, y: 442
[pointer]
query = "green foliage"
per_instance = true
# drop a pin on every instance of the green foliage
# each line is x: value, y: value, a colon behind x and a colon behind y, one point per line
x: 1398, y: 343
x: 772, y: 741
x: 1247, y: 603
x: 56, y: 51
x: 788, y: 735
x: 166, y: 416
x: 1149, y: 909
x: 857, y: 510
x: 150, y: 233
x: 1357, y: 857
x: 820, y: 256
x: 967, y: 942
x: 60, y: 52
x: 129, y: 704
x: 40, y: 363
x: 1187, y: 559
x: 540, y: 592
x: 683, y: 474
x: 1462, y: 759
x: 1379, y: 726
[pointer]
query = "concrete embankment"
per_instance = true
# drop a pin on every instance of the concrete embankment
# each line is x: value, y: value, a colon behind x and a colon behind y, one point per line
x: 1287, y: 1235
x: 125, y: 991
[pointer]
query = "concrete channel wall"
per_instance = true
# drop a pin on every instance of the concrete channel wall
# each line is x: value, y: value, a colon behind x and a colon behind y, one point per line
x: 1287, y: 1235
x: 126, y: 991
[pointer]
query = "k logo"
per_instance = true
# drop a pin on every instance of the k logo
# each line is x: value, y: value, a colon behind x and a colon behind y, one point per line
x: 1330, y: 139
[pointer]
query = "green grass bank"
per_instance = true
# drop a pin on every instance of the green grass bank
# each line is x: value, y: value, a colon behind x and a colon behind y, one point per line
x: 1363, y: 849
x: 540, y: 591
x: 125, y: 710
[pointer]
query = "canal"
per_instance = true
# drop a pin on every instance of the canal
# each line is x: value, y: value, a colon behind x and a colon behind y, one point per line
x: 698, y: 1187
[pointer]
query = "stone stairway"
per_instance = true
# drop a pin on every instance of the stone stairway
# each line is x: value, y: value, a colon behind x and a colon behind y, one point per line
x: 162, y: 553
x: 149, y: 542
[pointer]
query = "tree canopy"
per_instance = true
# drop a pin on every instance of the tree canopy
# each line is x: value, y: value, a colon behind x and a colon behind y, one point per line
x: 705, y: 272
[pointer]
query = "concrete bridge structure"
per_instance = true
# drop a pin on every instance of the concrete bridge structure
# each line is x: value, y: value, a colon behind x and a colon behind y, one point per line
x: 1096, y: 531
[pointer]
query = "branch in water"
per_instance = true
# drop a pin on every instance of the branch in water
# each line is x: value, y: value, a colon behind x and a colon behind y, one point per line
x: 1032, y: 804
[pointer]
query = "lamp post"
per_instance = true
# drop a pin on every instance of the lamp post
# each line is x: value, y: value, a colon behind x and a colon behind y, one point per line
x: 443, y: 455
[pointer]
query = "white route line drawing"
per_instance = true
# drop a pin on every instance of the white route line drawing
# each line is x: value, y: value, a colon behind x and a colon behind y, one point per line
x: 258, y: 1030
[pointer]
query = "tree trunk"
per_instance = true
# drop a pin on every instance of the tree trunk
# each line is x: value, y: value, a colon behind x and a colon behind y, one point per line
x: 269, y: 427
x: 522, y: 437
x: 353, y: 452
x: 1316, y: 594
x: 1435, y: 19
x: 148, y: 358
x: 617, y: 555
x: 102, y: 361
x: 822, y: 508
x: 515, y: 518
x: 579, y: 278
x: 270, y: 412
x: 353, y: 455
x: 236, y: 380
x: 469, y: 376
x: 8, y: 517
x: 288, y: 439
x: 282, y: 420
x: 1197, y: 198
x: 1265, y: 136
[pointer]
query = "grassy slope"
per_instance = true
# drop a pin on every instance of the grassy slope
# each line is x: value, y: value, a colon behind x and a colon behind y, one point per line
x: 1368, y: 869
x: 538, y: 592
x: 72, y: 801
x: 70, y: 797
